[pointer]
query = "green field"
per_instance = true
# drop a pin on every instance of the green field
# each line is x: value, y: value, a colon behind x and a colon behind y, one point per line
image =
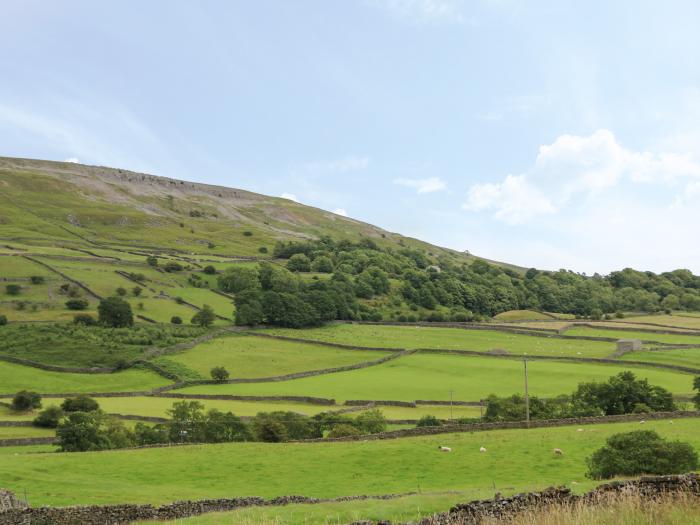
x: 644, y: 336
x: 521, y: 315
x: 515, y: 460
x: 25, y: 432
x: 252, y: 356
x: 689, y: 357
x: 449, y: 338
x: 432, y: 376
x: 14, y: 378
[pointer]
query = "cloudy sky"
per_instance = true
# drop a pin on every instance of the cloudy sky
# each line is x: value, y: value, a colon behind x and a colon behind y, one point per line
x: 549, y: 134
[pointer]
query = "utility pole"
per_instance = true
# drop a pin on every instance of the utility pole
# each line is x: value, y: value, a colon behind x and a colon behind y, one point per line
x: 527, y: 396
x: 451, y: 405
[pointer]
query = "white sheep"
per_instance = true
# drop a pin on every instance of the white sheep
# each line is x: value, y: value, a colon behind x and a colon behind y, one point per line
x: 642, y: 422
x: 579, y: 430
x: 482, y: 449
x: 558, y: 452
x: 444, y: 449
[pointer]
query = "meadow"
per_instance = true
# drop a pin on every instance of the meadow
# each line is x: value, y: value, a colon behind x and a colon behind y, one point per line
x: 448, y: 338
x: 644, y: 336
x: 249, y: 356
x: 515, y: 460
x: 433, y: 376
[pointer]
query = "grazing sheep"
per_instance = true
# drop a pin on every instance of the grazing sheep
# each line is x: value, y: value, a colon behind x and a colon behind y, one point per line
x: 558, y: 452
x: 482, y: 449
x: 579, y: 430
x: 444, y: 449
x: 642, y: 422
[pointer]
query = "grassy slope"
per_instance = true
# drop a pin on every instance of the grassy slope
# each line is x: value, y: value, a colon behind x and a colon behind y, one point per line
x: 516, y: 459
x: 449, y: 338
x: 16, y: 377
x: 25, y: 432
x: 645, y: 336
x: 257, y: 357
x: 522, y: 315
x: 432, y: 376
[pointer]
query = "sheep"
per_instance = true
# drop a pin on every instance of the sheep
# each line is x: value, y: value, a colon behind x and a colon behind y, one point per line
x: 482, y: 449
x: 642, y: 422
x: 444, y: 449
x: 558, y: 452
x: 579, y: 430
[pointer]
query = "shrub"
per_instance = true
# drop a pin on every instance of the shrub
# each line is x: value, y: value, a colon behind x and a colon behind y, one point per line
x: 121, y: 292
x: 248, y: 233
x: 26, y: 400
x: 322, y: 264
x: 641, y: 452
x: 49, y: 417
x: 429, y: 421
x: 343, y: 430
x: 371, y: 422
x: 152, y: 260
x: 172, y: 266
x: 205, y: 317
x: 136, y: 291
x: 3, y: 320
x: 299, y: 263
x: 209, y: 270
x: 77, y: 304
x: 37, y: 279
x: 13, y: 289
x: 115, y: 312
x: 84, y: 319
x: 219, y: 374
x: 79, y: 404
x: 211, y: 245
x: 263, y: 249
x: 176, y: 319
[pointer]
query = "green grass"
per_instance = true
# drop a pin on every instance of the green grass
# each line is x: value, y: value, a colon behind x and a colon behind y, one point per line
x: 158, y: 406
x: 250, y: 356
x: 439, y: 411
x: 689, y: 357
x: 689, y: 320
x: 644, y: 336
x: 515, y: 460
x: 449, y: 338
x: 432, y: 376
x: 7, y: 414
x: 200, y: 296
x: 14, y: 378
x: 521, y: 315
x: 25, y: 432
x: 71, y: 345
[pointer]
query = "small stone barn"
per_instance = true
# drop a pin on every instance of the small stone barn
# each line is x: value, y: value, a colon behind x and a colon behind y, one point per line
x: 628, y: 345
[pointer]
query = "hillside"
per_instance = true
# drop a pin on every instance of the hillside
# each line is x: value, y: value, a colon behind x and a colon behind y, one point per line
x: 83, y: 206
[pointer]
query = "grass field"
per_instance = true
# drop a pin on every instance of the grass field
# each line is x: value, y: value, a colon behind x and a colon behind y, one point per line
x: 515, y: 460
x: 25, y: 432
x: 449, y: 338
x: 682, y: 320
x: 689, y: 357
x: 14, y: 378
x: 7, y: 414
x: 432, y: 376
x: 261, y: 357
x: 644, y: 336
x: 521, y: 315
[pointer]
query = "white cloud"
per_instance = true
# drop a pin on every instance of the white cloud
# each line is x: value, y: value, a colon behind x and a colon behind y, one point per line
x: 576, y: 167
x: 429, y: 185
x: 424, y: 10
x: 289, y: 196
x: 341, y: 211
x: 72, y: 160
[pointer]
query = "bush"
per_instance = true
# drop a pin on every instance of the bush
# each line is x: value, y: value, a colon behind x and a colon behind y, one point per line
x: 79, y: 404
x: 299, y: 263
x: 371, y: 422
x: 152, y: 261
x: 641, y: 452
x: 115, y: 312
x: 84, y: 320
x: 172, y: 266
x: 205, y: 317
x: 37, y: 279
x: 121, y: 292
x: 209, y: 270
x: 49, y: 417
x: 136, y: 291
x: 176, y: 319
x: 263, y: 249
x: 219, y: 374
x: 429, y: 421
x: 26, y: 400
x: 3, y: 320
x: 77, y: 304
x: 13, y: 289
x: 343, y: 430
x: 248, y: 233
x: 322, y: 264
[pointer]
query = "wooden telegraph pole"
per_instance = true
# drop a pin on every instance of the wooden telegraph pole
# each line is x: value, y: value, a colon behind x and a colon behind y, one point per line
x: 527, y: 396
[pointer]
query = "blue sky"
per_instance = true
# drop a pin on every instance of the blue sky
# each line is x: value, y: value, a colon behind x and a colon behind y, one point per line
x: 548, y: 134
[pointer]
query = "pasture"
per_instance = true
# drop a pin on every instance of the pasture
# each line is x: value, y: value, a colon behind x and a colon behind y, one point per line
x: 515, y: 460
x: 433, y: 376
x: 449, y: 338
x: 644, y: 336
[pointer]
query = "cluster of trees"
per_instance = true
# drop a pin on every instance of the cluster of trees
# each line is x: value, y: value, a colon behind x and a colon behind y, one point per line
x: 439, y: 287
x: 621, y: 394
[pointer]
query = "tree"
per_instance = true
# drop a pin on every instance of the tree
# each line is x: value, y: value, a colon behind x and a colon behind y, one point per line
x: 152, y: 260
x: 115, y: 312
x: 82, y: 431
x: 371, y: 422
x: 225, y: 427
x: 219, y: 374
x: 205, y: 317
x: 209, y: 270
x: 37, y: 279
x: 299, y: 262
x: 80, y: 403
x: 236, y: 280
x: 696, y: 397
x: 13, y: 289
x: 84, y: 319
x: 343, y: 430
x: 322, y: 264
x: 187, y: 422
x: 3, y: 320
x: 175, y: 319
x: 269, y: 430
x: 77, y: 304
x: 49, y: 417
x: 172, y: 266
x: 641, y: 452
x: 136, y: 291
x: 26, y: 400
x: 428, y: 421
x: 121, y: 292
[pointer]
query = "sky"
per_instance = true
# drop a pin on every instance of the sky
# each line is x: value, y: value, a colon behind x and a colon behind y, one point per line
x: 553, y: 134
